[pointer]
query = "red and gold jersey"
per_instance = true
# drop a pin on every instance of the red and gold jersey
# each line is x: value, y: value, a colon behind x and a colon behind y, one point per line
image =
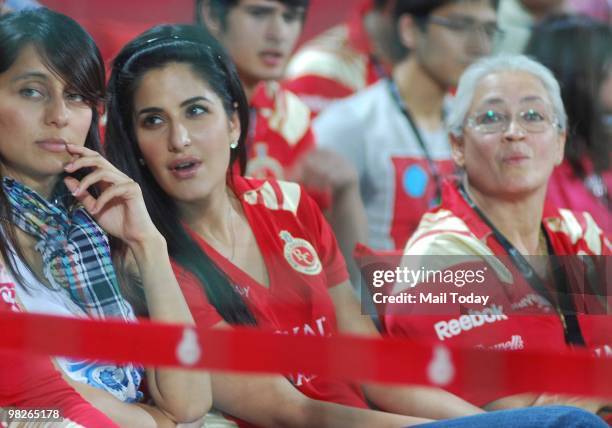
x: 280, y: 132
x: 517, y: 317
x: 302, y: 260
x: 335, y: 64
x: 280, y: 136
x: 567, y: 190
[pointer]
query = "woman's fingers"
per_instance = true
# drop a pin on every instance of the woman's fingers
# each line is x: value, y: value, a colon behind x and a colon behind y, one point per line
x: 73, y: 149
x: 84, y: 198
x: 83, y: 162
x: 124, y: 191
x: 100, y: 175
x: 83, y: 157
x: 120, y: 185
x: 91, y: 160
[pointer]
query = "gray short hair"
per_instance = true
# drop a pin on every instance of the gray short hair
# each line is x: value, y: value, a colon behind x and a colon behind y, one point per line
x: 476, y: 72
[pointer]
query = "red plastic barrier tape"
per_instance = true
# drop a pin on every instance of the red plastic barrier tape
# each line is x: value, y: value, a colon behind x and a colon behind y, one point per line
x: 344, y: 357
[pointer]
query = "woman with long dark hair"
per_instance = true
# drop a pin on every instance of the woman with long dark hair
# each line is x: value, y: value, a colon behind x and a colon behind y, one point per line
x: 59, y: 197
x: 258, y: 251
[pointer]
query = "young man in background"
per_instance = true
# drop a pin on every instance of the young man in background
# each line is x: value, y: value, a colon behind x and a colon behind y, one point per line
x: 260, y: 36
x: 393, y: 132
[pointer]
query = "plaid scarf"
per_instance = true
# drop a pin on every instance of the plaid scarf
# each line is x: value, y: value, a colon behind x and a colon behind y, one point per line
x: 75, y: 251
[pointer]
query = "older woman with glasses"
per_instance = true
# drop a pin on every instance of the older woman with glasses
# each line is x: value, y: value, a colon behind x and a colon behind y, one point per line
x: 508, y: 130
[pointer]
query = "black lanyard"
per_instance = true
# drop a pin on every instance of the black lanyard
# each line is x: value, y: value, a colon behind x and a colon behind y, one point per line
x: 564, y: 304
x: 433, y: 167
x: 379, y: 70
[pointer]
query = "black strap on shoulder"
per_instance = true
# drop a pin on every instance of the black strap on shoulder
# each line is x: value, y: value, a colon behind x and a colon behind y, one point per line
x: 433, y: 167
x: 564, y: 304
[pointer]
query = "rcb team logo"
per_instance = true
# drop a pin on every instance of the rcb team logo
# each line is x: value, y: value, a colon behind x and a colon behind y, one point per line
x: 300, y: 254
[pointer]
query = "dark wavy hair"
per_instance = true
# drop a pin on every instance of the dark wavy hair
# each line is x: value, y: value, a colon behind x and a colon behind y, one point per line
x: 69, y: 52
x: 152, y: 50
x: 220, y: 8
x: 421, y: 9
x: 578, y: 50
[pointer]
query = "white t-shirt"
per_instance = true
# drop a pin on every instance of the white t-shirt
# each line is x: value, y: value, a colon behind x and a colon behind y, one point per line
x: 370, y: 130
x: 121, y: 381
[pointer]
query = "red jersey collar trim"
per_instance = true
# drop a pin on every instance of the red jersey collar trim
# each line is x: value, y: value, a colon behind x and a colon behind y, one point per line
x: 357, y: 35
x: 239, y: 184
x: 453, y: 201
x: 550, y: 210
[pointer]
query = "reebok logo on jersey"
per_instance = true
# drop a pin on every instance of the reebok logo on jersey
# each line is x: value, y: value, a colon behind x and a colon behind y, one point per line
x: 454, y: 327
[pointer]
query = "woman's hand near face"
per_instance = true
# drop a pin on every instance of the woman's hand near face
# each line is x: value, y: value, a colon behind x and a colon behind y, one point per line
x: 183, y: 396
x: 119, y: 209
